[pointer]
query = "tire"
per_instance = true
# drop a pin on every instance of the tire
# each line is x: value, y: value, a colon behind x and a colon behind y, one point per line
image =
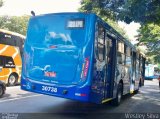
x: 1, y: 91
x: 12, y: 80
x: 136, y: 91
x: 119, y: 94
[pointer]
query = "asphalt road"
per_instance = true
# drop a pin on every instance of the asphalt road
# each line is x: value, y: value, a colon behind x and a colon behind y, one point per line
x: 30, y: 105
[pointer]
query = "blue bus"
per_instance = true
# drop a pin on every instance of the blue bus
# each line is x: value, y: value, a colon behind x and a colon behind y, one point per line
x: 149, y: 72
x: 78, y: 56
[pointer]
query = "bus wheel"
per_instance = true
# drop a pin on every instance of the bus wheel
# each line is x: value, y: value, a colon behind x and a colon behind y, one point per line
x: 1, y: 91
x: 12, y: 80
x: 118, y: 98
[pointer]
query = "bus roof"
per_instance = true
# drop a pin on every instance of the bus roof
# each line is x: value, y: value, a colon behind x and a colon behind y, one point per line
x: 12, y: 33
x: 64, y: 13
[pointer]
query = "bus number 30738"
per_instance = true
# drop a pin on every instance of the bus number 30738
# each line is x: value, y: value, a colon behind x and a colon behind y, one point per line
x: 49, y: 89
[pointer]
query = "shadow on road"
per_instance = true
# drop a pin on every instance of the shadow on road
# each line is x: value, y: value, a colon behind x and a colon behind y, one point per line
x: 76, y: 110
x: 5, y: 96
x: 147, y: 100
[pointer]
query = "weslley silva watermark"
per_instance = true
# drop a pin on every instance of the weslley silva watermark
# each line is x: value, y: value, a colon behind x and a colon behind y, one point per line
x: 142, y: 116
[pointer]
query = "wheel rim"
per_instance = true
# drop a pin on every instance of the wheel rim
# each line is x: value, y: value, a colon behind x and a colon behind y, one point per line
x: 12, y: 80
x: 119, y: 97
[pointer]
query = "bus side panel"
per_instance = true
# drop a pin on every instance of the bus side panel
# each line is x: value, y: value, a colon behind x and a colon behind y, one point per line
x: 97, y: 87
x: 13, y: 52
x: 2, y: 74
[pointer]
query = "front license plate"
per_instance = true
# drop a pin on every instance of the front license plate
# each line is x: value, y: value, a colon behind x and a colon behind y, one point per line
x: 49, y: 89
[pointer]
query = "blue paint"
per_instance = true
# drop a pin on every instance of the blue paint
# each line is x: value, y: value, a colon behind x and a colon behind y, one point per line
x: 53, y: 47
x: 59, y: 58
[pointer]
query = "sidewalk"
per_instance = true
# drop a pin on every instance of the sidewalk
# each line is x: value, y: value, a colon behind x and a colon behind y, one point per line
x: 150, y: 90
x: 150, y: 97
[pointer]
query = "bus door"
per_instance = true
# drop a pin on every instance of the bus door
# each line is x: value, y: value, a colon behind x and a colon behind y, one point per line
x: 105, y: 62
x: 103, y: 74
x: 99, y: 74
x: 110, y: 48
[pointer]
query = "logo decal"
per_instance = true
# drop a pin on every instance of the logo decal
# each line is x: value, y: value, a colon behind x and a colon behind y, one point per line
x: 50, y: 74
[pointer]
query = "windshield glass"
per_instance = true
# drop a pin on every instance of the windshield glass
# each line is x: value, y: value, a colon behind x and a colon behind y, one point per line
x: 53, y: 30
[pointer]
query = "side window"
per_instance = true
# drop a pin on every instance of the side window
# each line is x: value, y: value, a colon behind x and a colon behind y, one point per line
x: 9, y: 63
x: 1, y: 61
x: 120, y: 47
x: 108, y: 47
x: 128, y: 56
x: 19, y: 43
x: 2, y: 38
x: 120, y: 53
x: 101, y: 43
x: 119, y: 58
x: 128, y: 51
x: 138, y: 60
x: 7, y: 39
x: 16, y: 39
x: 140, y: 65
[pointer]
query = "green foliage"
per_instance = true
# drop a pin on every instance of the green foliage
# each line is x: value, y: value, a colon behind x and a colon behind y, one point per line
x: 149, y: 33
x: 107, y: 15
x: 150, y: 36
x: 96, y: 6
x: 142, y: 11
x: 14, y: 23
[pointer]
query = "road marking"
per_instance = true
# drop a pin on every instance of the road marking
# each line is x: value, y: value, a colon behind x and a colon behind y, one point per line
x: 19, y: 98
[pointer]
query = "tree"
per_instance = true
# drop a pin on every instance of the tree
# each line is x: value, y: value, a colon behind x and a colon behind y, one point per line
x: 142, y: 11
x: 14, y: 23
x: 150, y: 36
x: 96, y: 6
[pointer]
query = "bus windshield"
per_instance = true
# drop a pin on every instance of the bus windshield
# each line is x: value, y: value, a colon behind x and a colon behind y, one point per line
x: 62, y: 32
